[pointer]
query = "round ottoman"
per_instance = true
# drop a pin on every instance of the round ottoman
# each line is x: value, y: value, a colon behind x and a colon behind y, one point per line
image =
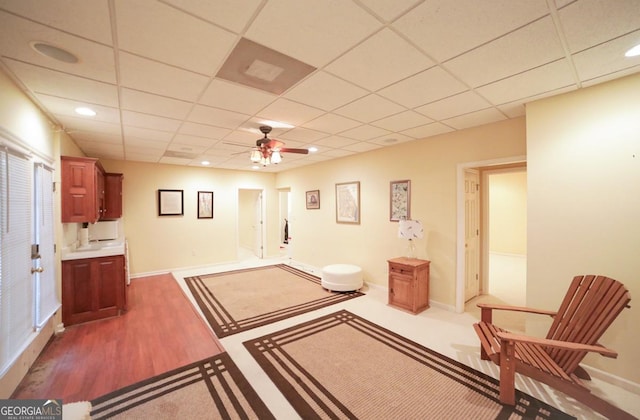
x: 341, y: 277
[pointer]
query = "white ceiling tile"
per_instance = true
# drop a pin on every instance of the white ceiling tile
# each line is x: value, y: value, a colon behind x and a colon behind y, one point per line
x: 150, y: 76
x: 89, y: 19
x: 390, y: 140
x: 313, y: 34
x: 186, y: 148
x: 91, y: 137
x: 325, y: 91
x: 203, y: 130
x: 428, y: 130
x: 234, y: 97
x: 361, y: 147
x: 425, y: 87
x: 365, y: 132
x: 185, y: 48
x: 336, y: 153
x: 529, y: 47
x: 154, y: 104
x: 402, y: 121
x: 147, y: 134
x: 303, y: 135
x: 137, y: 119
x: 217, y: 117
x: 76, y: 124
x: 369, y: 108
x: 513, y: 109
x: 445, y: 28
x: 389, y: 10
x: 391, y: 56
x: 62, y: 106
x: 542, y: 79
x: 335, y: 142
x: 193, y: 140
x: 64, y: 85
x: 588, y: 23
x: 95, y: 61
x: 332, y: 123
x: 230, y: 14
x: 461, y: 103
x: 607, y: 58
x: 139, y: 145
x: 286, y: 111
x: 473, y: 119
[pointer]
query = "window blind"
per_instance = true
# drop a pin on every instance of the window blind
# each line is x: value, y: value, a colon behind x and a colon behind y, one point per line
x: 16, y: 285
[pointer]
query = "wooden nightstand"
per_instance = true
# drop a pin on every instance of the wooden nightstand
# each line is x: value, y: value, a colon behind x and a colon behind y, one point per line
x: 409, y: 284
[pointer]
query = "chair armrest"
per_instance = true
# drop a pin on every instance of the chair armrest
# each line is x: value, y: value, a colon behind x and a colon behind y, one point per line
x: 566, y: 345
x: 486, y: 310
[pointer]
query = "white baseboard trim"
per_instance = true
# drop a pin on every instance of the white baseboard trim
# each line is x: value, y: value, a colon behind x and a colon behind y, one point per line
x: 625, y: 384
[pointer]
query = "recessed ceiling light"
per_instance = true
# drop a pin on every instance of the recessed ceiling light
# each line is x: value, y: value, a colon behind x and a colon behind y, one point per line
x: 54, y: 52
x: 313, y: 149
x: 255, y: 167
x: 87, y: 112
x: 633, y: 52
x: 205, y: 162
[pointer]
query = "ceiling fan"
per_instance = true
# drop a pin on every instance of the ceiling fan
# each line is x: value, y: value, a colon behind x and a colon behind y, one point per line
x: 268, y: 150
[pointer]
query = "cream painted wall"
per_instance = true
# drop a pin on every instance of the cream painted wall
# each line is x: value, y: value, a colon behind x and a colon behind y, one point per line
x: 431, y: 166
x: 160, y: 244
x: 247, y: 218
x: 508, y: 212
x: 583, y: 167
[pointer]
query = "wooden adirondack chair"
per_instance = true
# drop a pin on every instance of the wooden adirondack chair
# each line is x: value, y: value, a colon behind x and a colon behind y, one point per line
x: 589, y: 307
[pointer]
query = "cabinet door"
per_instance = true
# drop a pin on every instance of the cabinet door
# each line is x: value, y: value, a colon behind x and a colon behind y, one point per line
x: 401, y: 291
x: 77, y: 291
x: 78, y: 194
x: 109, y: 276
x: 112, y: 196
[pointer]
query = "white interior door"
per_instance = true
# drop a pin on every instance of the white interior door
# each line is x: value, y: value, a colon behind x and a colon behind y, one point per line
x: 472, y: 234
x: 257, y: 225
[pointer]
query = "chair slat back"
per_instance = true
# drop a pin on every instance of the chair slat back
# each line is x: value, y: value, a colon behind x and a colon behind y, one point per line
x: 591, y: 304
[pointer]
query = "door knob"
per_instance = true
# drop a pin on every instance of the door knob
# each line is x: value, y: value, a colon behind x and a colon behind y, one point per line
x: 37, y: 270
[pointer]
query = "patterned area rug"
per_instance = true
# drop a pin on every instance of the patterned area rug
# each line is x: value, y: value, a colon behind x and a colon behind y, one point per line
x: 211, y: 388
x: 239, y: 300
x: 343, y: 366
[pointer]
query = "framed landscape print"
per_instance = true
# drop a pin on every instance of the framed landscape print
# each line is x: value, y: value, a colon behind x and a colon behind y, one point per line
x: 348, y: 202
x: 400, y: 200
x: 313, y: 199
x: 170, y: 203
x: 205, y: 204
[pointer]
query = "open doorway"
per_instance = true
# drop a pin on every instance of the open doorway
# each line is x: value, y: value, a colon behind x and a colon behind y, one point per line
x: 285, y: 232
x: 474, y: 224
x: 250, y: 224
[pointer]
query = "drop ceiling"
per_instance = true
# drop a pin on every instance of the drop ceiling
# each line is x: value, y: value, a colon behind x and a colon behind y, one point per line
x: 375, y: 72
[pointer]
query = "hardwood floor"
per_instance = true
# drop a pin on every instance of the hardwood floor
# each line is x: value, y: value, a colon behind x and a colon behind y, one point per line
x: 160, y: 331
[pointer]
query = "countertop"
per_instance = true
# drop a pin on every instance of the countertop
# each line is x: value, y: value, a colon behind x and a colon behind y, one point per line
x: 95, y: 249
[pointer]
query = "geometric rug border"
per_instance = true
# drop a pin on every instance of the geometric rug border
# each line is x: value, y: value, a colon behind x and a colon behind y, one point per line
x: 266, y: 352
x: 214, y: 310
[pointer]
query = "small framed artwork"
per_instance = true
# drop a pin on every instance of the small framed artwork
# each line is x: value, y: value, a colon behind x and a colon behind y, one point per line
x: 170, y: 203
x: 348, y: 202
x: 313, y: 199
x: 205, y: 204
x: 400, y: 200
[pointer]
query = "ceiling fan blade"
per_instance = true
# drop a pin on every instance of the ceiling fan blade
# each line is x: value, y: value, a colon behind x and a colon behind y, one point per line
x: 274, y: 144
x: 287, y: 150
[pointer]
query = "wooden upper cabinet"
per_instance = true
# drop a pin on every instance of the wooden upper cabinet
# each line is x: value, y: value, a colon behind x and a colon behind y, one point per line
x: 113, y: 196
x: 87, y: 193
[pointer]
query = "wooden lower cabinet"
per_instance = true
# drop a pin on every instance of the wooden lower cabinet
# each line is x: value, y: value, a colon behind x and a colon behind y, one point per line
x: 409, y: 284
x: 93, y: 288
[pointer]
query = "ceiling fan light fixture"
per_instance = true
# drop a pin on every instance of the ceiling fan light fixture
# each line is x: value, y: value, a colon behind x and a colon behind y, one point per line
x: 264, y: 161
x: 633, y: 52
x: 255, y: 156
x: 276, y: 157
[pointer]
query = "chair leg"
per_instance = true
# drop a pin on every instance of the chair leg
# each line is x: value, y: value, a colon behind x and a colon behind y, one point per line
x: 507, y: 372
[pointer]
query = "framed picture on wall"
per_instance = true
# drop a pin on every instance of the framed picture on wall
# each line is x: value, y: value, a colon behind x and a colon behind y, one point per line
x: 205, y: 204
x: 400, y: 200
x: 348, y: 202
x: 170, y: 203
x: 313, y: 199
